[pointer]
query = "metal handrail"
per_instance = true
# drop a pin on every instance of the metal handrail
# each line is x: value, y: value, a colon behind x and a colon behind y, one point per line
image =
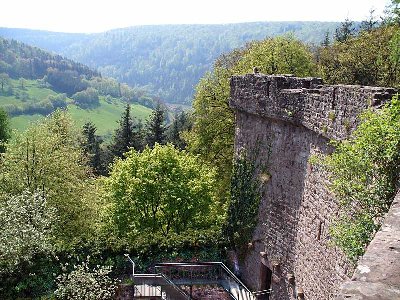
x: 168, y: 283
x: 205, y: 264
x: 177, y: 288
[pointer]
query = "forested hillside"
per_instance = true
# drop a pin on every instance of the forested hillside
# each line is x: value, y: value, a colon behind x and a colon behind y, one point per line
x: 34, y: 83
x: 72, y: 207
x: 168, y: 60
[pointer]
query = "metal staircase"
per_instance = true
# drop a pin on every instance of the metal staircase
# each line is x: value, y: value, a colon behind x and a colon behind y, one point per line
x: 170, y: 281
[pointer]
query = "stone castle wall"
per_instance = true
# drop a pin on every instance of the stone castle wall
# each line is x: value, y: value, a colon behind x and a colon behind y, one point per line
x: 288, y: 119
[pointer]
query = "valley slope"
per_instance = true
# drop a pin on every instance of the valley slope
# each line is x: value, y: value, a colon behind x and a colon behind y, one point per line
x: 167, y: 60
x: 34, y: 83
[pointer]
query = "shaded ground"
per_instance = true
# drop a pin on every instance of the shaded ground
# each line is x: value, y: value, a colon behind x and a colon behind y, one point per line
x: 208, y: 292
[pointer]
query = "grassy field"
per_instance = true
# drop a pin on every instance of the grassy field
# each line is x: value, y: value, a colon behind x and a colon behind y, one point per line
x: 105, y: 116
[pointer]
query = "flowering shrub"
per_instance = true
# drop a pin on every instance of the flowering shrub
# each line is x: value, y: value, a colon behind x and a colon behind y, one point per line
x: 26, y: 224
x: 85, y: 283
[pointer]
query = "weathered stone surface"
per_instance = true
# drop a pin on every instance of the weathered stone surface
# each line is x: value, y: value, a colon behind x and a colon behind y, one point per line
x: 377, y: 275
x: 330, y: 110
x: 286, y: 120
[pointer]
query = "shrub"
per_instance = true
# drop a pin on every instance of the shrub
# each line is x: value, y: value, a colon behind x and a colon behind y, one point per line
x: 86, y: 283
x: 364, y: 176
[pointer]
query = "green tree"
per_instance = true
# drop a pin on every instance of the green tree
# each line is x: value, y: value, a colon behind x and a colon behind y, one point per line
x: 91, y: 146
x: 47, y: 158
x: 212, y: 135
x: 87, y: 99
x: 5, y: 132
x: 160, y: 191
x: 4, y: 81
x: 327, y: 40
x: 125, y: 136
x: 155, y: 127
x: 371, y: 58
x: 181, y: 123
x: 345, y: 31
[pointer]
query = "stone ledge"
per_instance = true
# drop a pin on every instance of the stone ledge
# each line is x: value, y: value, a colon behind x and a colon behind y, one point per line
x: 377, y: 275
x: 368, y: 291
x: 329, y: 110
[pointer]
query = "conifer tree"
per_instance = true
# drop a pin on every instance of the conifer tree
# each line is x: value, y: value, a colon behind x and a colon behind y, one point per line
x: 4, y: 129
x: 180, y: 124
x: 155, y: 127
x: 326, y: 40
x: 91, y: 147
x: 345, y: 31
x: 125, y: 136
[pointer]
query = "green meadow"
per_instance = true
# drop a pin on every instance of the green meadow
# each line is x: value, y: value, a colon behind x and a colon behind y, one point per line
x: 105, y: 116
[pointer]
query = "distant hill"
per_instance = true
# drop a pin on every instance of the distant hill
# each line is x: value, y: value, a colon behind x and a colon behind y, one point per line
x: 34, y: 83
x: 168, y: 60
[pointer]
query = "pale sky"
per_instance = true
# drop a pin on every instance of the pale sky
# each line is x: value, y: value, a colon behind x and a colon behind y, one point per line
x: 100, y: 15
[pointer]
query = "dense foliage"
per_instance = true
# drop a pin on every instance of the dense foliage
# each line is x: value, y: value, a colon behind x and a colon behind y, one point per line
x: 26, y: 224
x: 213, y: 129
x: 86, y: 283
x: 369, y: 58
x: 87, y: 99
x: 160, y: 191
x: 364, y: 174
x: 245, y: 199
x: 168, y: 60
x: 48, y: 158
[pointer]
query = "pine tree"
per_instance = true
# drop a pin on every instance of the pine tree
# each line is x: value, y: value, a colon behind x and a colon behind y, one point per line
x: 345, y: 31
x: 123, y: 135
x: 155, y: 127
x: 91, y: 147
x: 326, y: 41
x: 181, y: 123
x: 5, y: 131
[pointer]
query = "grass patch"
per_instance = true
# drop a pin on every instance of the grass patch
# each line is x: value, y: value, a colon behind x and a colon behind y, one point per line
x: 107, y: 115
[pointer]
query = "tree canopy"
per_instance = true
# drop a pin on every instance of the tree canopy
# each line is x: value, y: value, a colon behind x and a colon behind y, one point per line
x: 160, y: 191
x: 47, y: 158
x: 212, y: 135
x: 370, y: 58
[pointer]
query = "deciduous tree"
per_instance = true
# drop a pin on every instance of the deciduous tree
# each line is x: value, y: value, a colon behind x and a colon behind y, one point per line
x: 213, y: 129
x: 159, y: 191
x: 47, y: 158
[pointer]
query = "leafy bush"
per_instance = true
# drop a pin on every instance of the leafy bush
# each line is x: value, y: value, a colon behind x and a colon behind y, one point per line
x: 86, y: 283
x: 364, y: 175
x: 26, y: 224
x: 87, y: 98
